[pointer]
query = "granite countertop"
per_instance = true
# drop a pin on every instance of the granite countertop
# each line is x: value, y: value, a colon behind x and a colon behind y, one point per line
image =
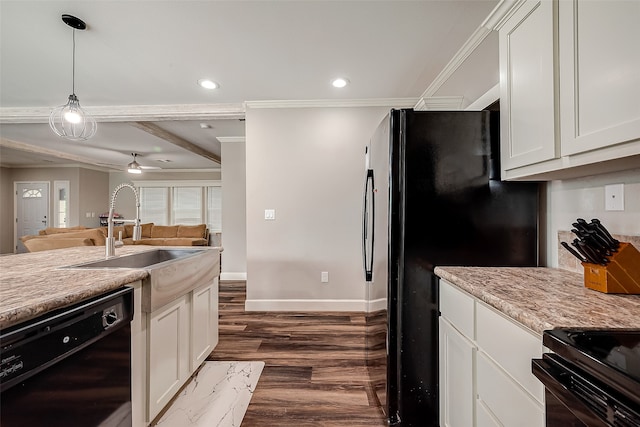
x: 32, y: 284
x: 545, y: 298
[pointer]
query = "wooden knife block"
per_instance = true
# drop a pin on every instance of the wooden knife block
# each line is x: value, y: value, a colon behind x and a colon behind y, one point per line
x: 620, y: 276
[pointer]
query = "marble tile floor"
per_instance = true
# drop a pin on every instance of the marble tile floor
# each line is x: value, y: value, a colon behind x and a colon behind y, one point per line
x: 315, y: 373
x: 217, y: 396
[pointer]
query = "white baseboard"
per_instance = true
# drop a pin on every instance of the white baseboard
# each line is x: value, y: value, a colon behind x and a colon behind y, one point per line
x: 233, y: 276
x: 377, y: 305
x: 315, y: 305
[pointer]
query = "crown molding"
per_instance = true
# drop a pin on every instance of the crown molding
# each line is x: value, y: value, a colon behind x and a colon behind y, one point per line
x: 231, y: 138
x: 494, y: 21
x: 334, y: 103
x: 488, y: 98
x: 132, y: 113
x: 440, y: 103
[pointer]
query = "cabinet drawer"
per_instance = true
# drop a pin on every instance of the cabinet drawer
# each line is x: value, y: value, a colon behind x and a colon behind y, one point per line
x: 511, y: 346
x: 458, y: 308
x: 505, y: 399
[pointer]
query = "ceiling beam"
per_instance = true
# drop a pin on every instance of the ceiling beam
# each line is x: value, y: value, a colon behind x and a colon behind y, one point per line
x: 158, y: 132
x: 7, y: 143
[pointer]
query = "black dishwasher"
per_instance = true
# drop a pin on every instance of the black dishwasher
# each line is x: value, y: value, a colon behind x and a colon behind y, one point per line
x: 70, y: 367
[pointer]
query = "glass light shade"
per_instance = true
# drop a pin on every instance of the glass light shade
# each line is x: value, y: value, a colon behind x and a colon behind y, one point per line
x: 71, y: 122
x: 72, y: 117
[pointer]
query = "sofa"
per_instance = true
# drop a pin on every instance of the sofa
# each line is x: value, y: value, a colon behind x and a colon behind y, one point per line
x: 156, y: 235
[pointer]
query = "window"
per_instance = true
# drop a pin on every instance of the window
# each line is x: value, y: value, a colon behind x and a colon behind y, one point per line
x: 187, y: 205
x: 181, y: 202
x: 31, y: 193
x: 61, y: 200
x: 153, y: 205
x: 214, y: 208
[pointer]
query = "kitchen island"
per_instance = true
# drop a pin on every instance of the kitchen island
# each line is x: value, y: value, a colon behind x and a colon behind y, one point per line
x: 32, y: 284
x: 491, y: 326
x: 170, y: 338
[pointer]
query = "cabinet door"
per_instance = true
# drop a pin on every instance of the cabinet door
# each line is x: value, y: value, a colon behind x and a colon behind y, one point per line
x: 528, y: 114
x: 599, y: 73
x: 456, y: 378
x: 204, y: 323
x: 507, y: 401
x: 168, y: 366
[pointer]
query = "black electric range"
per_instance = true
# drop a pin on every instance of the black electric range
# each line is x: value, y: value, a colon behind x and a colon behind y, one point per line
x: 592, y: 378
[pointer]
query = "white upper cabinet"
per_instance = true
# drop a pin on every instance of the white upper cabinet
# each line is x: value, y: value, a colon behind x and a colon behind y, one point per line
x: 570, y: 88
x: 599, y: 73
x: 527, y: 94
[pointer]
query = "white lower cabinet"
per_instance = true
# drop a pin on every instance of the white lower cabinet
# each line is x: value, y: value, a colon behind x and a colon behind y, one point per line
x: 457, y: 355
x: 168, y: 353
x: 507, y: 400
x: 484, y: 418
x: 168, y: 346
x: 204, y: 324
x: 485, y: 366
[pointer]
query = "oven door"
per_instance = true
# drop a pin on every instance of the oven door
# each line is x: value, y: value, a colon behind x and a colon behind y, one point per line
x: 575, y: 399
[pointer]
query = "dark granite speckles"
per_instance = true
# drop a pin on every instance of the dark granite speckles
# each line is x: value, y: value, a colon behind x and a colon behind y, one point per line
x: 33, y: 284
x: 545, y: 298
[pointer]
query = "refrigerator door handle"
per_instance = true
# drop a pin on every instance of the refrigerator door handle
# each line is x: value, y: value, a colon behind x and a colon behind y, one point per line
x: 368, y: 215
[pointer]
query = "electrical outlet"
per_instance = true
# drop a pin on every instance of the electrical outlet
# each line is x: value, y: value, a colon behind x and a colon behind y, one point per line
x: 324, y: 277
x: 614, y: 197
x: 270, y: 214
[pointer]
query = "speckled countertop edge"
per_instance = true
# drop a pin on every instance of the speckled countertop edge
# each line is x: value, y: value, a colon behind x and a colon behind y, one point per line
x: 34, y: 283
x: 545, y: 298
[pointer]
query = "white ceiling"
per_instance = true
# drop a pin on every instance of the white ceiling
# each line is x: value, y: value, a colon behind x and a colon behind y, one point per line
x: 139, y: 58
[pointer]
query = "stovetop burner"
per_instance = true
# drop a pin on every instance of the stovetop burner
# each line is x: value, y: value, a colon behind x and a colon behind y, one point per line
x: 611, y: 355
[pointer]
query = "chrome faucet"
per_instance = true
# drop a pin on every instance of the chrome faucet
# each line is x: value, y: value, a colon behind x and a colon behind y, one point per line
x: 111, y: 243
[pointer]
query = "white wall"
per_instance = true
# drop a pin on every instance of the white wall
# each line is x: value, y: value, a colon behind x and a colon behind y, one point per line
x: 234, y: 206
x: 308, y: 165
x: 584, y: 198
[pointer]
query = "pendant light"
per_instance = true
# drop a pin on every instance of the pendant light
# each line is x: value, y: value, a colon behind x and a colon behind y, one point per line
x: 134, y: 167
x: 70, y: 121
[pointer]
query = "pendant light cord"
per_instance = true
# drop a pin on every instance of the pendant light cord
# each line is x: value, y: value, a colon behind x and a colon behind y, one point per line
x: 73, y: 62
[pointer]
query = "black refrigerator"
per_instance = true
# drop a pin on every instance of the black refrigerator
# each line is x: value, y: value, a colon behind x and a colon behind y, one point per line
x: 433, y: 197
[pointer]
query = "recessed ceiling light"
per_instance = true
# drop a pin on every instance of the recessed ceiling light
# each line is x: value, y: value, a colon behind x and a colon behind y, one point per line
x: 340, y: 82
x: 208, y: 84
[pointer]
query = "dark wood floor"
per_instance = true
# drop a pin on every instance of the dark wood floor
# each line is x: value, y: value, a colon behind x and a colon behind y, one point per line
x: 315, y: 373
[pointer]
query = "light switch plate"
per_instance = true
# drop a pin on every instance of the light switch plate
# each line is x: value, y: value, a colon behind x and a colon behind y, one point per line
x: 270, y: 214
x: 614, y: 197
x: 324, y: 276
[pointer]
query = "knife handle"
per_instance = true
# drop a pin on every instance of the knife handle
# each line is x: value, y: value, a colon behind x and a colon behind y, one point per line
x: 576, y: 244
x: 592, y: 254
x: 574, y: 253
x: 615, y: 243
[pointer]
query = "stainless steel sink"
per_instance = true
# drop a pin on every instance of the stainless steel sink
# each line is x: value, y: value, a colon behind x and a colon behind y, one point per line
x: 172, y: 272
x: 141, y: 260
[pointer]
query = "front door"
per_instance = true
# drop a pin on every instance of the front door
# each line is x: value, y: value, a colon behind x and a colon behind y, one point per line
x: 32, y: 210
